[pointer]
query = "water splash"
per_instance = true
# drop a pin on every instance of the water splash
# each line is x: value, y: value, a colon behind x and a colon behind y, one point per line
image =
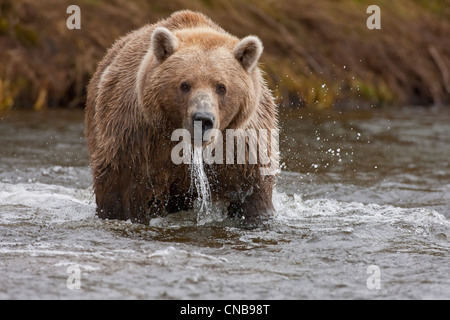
x: 201, y: 183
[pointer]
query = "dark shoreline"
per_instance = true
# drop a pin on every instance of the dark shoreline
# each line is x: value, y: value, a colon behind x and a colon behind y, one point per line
x: 317, y: 54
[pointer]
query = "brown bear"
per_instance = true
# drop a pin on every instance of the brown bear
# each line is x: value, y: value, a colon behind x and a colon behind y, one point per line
x: 161, y: 78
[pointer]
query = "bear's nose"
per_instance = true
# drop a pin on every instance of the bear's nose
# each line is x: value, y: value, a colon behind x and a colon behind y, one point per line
x: 206, y: 118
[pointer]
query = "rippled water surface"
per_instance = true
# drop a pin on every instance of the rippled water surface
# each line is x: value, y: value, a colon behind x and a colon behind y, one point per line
x: 363, y: 211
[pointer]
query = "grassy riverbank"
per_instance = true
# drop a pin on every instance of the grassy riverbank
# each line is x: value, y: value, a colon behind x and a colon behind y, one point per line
x: 317, y: 53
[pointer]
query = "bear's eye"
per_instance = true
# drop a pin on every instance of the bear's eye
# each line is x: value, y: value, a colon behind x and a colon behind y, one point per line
x: 185, y: 87
x: 221, y: 89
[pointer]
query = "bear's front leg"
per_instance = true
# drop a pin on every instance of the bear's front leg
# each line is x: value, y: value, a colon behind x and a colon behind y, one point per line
x: 119, y: 196
x: 254, y: 206
x: 179, y: 202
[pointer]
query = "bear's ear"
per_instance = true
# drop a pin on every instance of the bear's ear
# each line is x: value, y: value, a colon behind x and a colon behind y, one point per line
x: 248, y: 51
x: 163, y: 43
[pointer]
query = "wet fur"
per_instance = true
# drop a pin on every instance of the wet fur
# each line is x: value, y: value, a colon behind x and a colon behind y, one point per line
x: 129, y: 124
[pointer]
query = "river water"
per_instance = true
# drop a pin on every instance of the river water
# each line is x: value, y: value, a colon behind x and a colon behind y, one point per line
x: 363, y: 212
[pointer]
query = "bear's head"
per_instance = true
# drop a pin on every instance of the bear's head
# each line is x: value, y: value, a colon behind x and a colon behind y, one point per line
x: 203, y: 75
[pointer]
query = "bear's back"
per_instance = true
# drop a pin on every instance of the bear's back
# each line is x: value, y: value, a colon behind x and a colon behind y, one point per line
x: 140, y: 38
x: 127, y: 52
x: 188, y: 19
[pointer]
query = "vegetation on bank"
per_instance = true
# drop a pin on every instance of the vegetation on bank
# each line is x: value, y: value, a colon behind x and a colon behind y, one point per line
x: 317, y: 53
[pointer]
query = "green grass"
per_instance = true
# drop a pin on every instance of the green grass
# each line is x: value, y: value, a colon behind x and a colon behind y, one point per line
x: 317, y: 54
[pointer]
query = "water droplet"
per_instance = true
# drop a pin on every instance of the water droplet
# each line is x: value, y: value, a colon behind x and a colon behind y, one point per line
x: 201, y: 183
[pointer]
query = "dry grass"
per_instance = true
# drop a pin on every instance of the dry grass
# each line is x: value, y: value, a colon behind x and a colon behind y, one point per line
x: 317, y: 53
